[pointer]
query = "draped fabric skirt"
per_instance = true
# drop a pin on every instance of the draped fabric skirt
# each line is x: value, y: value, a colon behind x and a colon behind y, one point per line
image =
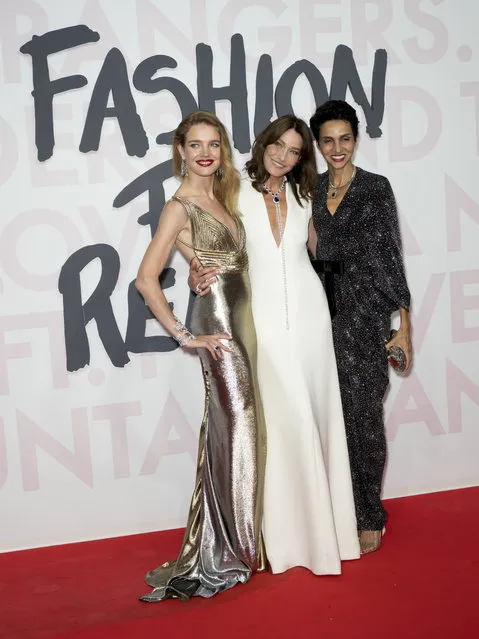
x: 222, y: 544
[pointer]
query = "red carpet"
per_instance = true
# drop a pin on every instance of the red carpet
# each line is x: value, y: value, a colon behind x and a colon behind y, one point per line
x: 423, y: 583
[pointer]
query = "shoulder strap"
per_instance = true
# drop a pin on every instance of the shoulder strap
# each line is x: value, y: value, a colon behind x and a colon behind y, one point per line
x: 187, y: 206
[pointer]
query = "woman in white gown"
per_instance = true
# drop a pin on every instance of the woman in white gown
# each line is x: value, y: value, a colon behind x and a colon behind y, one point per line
x: 309, y: 515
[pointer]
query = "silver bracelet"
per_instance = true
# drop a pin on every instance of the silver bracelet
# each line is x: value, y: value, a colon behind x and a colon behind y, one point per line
x: 183, y: 336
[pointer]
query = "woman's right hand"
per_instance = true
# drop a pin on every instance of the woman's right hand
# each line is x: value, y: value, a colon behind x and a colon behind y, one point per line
x: 212, y: 343
x: 200, y: 277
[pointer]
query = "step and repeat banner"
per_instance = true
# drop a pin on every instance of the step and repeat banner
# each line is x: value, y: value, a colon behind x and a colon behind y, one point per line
x: 99, y: 409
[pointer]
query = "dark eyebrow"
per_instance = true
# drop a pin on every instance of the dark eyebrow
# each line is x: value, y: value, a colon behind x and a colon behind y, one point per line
x: 292, y: 148
x: 329, y: 137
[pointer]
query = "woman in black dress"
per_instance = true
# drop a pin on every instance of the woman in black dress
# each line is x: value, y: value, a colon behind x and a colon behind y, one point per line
x: 359, y: 251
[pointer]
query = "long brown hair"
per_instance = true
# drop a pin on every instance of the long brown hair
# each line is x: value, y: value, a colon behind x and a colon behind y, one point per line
x: 302, y: 178
x: 226, y: 187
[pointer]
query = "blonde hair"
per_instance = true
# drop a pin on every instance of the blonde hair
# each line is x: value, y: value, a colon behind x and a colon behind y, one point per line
x: 226, y: 187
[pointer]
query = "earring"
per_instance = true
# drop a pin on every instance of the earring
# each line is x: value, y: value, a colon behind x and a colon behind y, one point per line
x: 220, y: 172
x: 183, y: 168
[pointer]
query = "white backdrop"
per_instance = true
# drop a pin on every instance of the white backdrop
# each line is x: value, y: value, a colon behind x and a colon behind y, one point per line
x: 108, y: 449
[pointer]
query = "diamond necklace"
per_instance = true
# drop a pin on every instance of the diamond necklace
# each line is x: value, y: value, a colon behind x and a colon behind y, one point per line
x: 279, y: 220
x: 334, y: 191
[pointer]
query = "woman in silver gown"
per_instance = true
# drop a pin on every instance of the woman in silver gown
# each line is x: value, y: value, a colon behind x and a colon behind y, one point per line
x: 222, y: 544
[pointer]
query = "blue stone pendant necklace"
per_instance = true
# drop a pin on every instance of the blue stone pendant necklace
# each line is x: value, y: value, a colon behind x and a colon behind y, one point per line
x: 334, y: 189
x: 275, y: 196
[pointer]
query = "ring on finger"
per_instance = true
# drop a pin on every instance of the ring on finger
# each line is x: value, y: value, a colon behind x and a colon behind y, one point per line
x: 217, y: 348
x: 198, y: 288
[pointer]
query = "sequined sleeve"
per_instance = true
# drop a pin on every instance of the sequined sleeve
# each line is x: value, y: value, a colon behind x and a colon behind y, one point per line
x: 385, y: 247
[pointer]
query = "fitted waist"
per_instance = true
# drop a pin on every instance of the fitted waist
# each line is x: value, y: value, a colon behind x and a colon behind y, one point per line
x: 329, y: 268
x: 224, y: 261
x: 335, y: 267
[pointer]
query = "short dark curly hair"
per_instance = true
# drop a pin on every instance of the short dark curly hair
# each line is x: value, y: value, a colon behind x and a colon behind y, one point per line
x: 334, y: 110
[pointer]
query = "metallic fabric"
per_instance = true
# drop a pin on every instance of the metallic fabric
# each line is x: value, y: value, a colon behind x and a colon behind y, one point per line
x: 364, y: 234
x: 222, y: 544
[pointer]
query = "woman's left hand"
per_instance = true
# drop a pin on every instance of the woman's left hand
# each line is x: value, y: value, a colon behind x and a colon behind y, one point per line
x: 402, y: 339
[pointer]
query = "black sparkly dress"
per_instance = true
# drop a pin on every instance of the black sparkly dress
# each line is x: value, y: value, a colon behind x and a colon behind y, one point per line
x: 364, y: 237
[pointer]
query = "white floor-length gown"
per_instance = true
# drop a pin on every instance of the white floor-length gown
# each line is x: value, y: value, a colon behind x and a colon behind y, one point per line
x: 309, y: 517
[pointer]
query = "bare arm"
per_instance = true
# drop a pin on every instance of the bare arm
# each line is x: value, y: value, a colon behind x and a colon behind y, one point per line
x: 173, y: 220
x: 312, y: 238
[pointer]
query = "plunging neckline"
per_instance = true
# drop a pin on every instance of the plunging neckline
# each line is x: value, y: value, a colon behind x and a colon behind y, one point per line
x: 333, y: 215
x: 238, y: 228
x: 278, y: 246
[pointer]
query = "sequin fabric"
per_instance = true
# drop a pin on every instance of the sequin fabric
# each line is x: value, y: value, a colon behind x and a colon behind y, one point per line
x: 222, y: 544
x: 364, y: 233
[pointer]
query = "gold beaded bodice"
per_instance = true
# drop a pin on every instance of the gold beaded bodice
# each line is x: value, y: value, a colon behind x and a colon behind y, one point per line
x: 213, y: 242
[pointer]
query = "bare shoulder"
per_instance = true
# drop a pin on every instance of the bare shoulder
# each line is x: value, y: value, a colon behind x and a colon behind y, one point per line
x: 173, y: 218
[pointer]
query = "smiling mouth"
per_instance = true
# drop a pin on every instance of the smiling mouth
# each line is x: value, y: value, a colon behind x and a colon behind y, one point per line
x: 338, y: 158
x: 205, y: 163
x: 278, y: 164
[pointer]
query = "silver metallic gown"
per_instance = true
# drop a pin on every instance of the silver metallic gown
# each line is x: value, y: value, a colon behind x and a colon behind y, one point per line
x: 222, y: 544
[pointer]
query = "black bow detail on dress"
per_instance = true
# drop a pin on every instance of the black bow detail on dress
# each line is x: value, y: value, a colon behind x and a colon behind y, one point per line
x: 329, y: 268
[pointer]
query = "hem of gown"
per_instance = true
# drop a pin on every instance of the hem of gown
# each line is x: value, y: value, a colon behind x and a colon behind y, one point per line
x: 318, y: 573
x: 352, y: 556
x: 176, y: 588
x: 372, y: 524
x: 191, y: 588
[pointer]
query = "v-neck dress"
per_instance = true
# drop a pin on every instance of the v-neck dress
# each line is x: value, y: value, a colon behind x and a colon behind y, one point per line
x: 222, y: 544
x: 363, y: 234
x: 309, y: 516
